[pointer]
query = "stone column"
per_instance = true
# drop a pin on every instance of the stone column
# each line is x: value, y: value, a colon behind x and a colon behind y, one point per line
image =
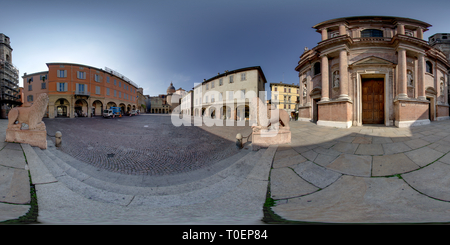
x: 325, y: 78
x: 308, y: 87
x: 421, y: 77
x: 324, y: 34
x: 419, y: 33
x: 342, y: 30
x: 402, y: 78
x: 401, y: 29
x: 343, y: 74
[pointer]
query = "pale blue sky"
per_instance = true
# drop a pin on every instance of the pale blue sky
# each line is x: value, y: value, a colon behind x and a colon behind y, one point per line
x: 185, y: 41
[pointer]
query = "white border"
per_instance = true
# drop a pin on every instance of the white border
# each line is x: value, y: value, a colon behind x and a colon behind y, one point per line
x: 334, y: 124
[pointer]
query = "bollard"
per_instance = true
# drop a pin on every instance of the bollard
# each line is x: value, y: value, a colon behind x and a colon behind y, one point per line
x: 58, y: 138
x: 239, y: 141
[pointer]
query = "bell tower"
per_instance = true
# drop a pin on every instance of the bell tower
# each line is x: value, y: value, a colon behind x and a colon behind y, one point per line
x: 441, y: 41
x: 5, y: 48
x: 9, y: 78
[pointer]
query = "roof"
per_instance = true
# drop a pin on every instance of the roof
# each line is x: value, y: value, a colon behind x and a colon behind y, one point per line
x: 372, y: 17
x: 235, y: 71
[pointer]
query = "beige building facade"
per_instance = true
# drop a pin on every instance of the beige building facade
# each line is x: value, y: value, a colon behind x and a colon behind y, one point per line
x: 227, y: 95
x: 373, y: 70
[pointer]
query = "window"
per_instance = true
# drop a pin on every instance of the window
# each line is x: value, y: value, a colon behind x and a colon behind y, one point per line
x: 207, y: 86
x: 243, y: 76
x: 289, y: 90
x: 230, y: 95
x: 120, y: 94
x: 115, y: 82
x: 30, y: 87
x: 43, y: 77
x: 220, y: 82
x: 212, y: 84
x: 61, y: 73
x: 81, y: 75
x: 107, y: 79
x: 231, y: 79
x: 61, y: 87
x: 372, y: 33
x: 80, y: 87
x: 444, y: 37
x: 275, y: 89
x: 120, y: 84
x: 429, y: 67
x: 97, y: 89
x: 316, y: 68
x: 30, y: 98
x: 285, y: 90
x: 115, y: 93
x: 107, y: 91
x: 43, y: 86
x: 96, y: 78
x: 212, y: 98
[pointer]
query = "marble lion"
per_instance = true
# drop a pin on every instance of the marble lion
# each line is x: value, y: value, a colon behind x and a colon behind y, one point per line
x: 30, y: 115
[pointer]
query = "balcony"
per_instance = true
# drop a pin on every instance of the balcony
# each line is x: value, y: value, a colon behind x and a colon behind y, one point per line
x: 372, y: 39
x: 82, y: 93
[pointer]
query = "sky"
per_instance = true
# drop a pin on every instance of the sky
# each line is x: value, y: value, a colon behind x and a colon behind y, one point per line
x: 156, y: 42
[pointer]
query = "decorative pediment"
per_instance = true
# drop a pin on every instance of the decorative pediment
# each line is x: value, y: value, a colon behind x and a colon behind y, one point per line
x: 430, y: 90
x: 372, y: 60
x: 316, y: 91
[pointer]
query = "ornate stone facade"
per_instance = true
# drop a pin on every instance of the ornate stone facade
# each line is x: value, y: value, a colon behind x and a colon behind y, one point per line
x: 373, y: 70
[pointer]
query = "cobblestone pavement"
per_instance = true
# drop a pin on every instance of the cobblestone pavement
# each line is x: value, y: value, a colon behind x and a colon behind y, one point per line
x: 147, y: 144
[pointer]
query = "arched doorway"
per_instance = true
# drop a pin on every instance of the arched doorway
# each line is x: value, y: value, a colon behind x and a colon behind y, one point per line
x: 97, y: 108
x: 81, y: 108
x: 62, y: 108
x: 122, y: 108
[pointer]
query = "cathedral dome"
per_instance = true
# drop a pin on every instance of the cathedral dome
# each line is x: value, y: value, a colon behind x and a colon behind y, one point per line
x: 171, y: 89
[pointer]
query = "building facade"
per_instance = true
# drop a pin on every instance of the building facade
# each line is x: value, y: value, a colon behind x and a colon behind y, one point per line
x: 9, y: 78
x: 285, y: 96
x: 77, y: 90
x: 227, y: 95
x: 373, y: 70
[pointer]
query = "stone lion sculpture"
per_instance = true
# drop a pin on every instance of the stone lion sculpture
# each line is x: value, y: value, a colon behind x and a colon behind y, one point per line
x: 30, y: 115
x: 267, y: 116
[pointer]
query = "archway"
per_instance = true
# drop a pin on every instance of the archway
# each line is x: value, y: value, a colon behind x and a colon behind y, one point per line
x: 97, y: 108
x: 62, y: 108
x: 81, y: 108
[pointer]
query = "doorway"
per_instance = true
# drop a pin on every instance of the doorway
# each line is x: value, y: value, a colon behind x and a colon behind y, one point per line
x: 373, y: 101
x: 315, y: 111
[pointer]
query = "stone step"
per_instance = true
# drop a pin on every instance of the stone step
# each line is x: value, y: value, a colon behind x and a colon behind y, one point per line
x: 83, y: 179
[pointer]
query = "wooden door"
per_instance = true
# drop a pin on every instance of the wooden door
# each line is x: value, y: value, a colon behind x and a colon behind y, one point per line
x: 373, y: 101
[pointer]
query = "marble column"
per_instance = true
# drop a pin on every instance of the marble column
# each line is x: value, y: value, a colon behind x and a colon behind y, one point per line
x: 421, y: 77
x: 419, y: 33
x: 402, y: 78
x: 343, y: 74
x: 325, y: 78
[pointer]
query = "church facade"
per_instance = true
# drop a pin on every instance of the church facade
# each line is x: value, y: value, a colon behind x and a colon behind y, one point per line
x: 373, y: 70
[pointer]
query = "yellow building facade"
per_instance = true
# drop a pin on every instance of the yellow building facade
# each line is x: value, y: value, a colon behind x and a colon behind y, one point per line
x: 285, y: 96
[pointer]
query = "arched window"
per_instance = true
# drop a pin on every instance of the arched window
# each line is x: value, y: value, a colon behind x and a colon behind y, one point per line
x: 316, y: 68
x: 429, y: 67
x: 371, y: 33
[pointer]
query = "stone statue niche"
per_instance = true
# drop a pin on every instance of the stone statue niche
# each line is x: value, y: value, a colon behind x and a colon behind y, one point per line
x: 36, y: 134
x: 271, y: 127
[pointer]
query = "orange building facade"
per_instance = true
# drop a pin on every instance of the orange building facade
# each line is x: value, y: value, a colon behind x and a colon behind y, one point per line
x: 77, y: 90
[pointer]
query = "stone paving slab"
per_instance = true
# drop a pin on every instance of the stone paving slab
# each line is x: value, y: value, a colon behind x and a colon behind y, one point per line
x: 396, y: 147
x: 365, y: 200
x: 14, y: 185
x: 432, y: 180
x: 392, y: 164
x: 424, y: 155
x: 315, y: 174
x: 369, y: 149
x: 285, y: 183
x: 12, y: 158
x: 352, y: 165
